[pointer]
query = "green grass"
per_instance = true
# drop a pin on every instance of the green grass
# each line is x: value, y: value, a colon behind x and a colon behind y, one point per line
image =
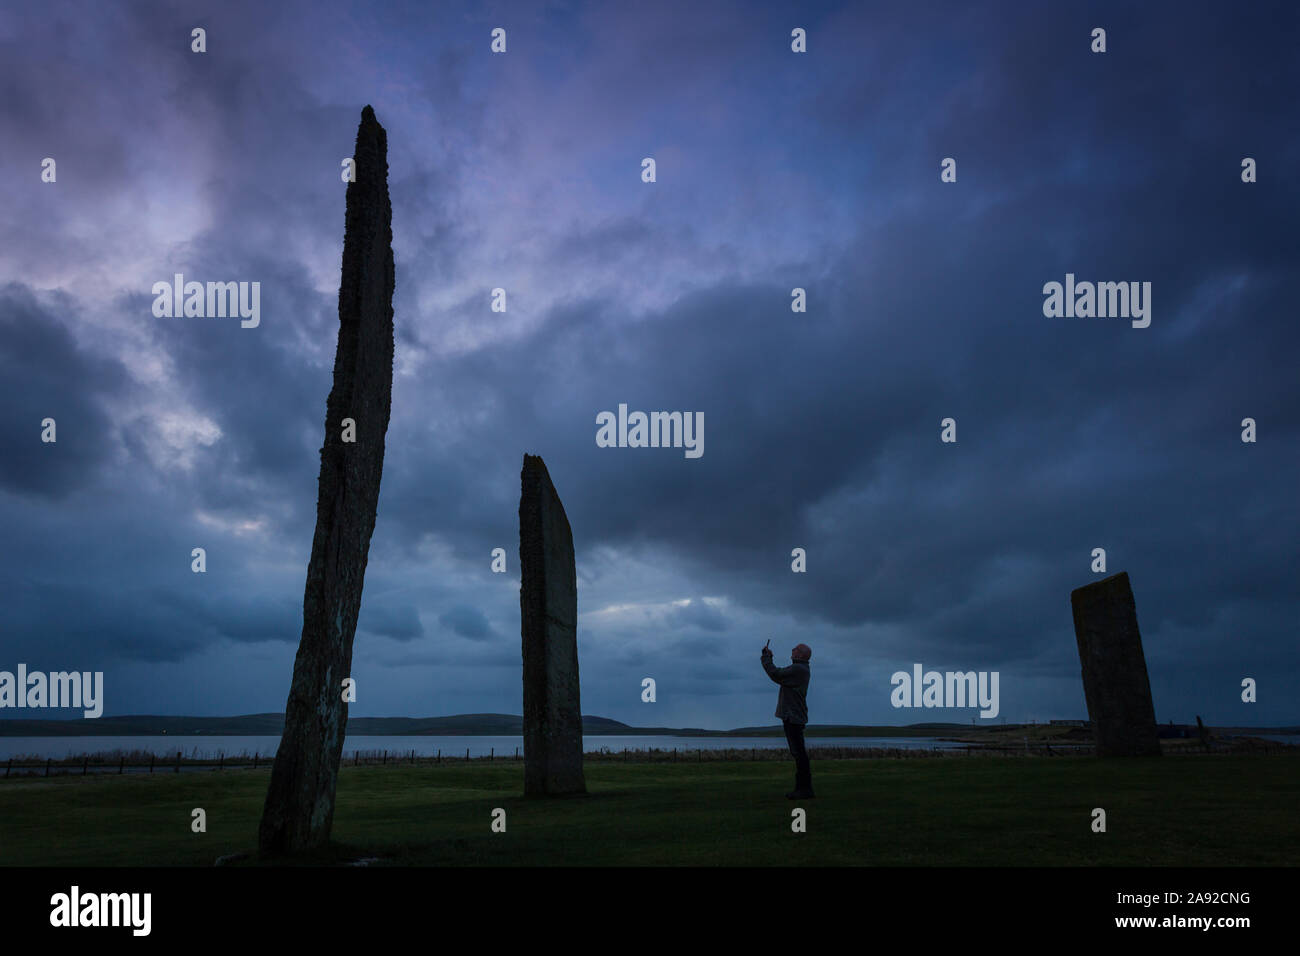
x: 1192, y: 811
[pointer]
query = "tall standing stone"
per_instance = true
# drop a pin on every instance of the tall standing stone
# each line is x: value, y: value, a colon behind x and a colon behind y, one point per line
x: 548, y: 610
x: 1115, y: 680
x: 300, y: 801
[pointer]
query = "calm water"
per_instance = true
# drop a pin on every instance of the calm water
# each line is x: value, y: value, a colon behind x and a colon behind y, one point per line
x: 212, y: 745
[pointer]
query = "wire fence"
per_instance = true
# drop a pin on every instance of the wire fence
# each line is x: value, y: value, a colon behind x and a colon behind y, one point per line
x: 143, y: 761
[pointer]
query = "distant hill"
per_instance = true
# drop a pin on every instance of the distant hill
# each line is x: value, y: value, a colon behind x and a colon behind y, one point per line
x: 273, y: 725
x: 145, y: 725
x: 468, y: 725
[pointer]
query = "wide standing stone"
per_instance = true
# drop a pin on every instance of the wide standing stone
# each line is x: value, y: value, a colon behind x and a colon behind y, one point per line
x: 300, y: 801
x: 1115, y: 679
x: 548, y: 610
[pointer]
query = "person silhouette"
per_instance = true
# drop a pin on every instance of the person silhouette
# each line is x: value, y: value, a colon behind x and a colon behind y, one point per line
x: 792, y: 708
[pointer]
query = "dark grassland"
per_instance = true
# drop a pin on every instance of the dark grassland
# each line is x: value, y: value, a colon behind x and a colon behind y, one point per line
x: 1211, y: 810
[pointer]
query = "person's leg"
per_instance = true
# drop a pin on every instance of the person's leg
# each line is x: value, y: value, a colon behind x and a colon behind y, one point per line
x: 803, y: 770
x: 793, y: 738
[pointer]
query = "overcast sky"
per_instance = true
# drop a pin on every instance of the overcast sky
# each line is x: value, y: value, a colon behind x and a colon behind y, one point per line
x: 775, y: 170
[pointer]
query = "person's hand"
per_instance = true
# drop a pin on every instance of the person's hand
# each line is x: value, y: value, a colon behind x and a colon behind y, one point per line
x: 767, y: 652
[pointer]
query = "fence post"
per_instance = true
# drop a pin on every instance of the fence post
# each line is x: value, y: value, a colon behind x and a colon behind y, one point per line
x: 121, y: 764
x: 178, y: 761
x: 492, y: 754
x: 152, y: 758
x: 439, y: 755
x: 385, y: 758
x: 85, y: 760
x: 255, y: 756
x: 516, y: 753
x: 221, y: 760
x: 8, y: 766
x: 467, y: 754
x: 47, y: 766
x: 356, y: 757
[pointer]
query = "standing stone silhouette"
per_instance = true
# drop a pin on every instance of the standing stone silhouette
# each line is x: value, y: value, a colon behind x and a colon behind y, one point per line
x: 1115, y: 682
x: 548, y: 611
x: 299, y: 807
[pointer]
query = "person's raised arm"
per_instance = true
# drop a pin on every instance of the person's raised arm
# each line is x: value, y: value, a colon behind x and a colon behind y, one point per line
x: 779, y: 675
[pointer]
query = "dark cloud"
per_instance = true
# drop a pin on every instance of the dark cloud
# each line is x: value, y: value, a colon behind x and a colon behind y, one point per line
x: 821, y: 429
x: 46, y: 374
x: 466, y: 621
x: 699, y: 614
x: 401, y: 623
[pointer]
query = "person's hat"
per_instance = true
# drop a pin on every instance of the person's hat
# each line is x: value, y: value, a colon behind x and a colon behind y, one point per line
x: 802, y: 652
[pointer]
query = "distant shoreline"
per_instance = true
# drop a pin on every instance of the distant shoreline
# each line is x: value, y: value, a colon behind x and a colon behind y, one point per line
x: 496, y: 725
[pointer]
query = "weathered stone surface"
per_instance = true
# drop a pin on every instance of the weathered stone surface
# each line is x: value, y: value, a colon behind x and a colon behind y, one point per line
x: 1115, y: 679
x: 300, y: 801
x: 548, y: 610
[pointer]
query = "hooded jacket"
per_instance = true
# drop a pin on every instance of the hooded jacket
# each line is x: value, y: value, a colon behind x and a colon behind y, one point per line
x: 792, y: 699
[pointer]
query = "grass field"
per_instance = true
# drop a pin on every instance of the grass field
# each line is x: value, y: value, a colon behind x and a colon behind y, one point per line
x: 1190, y: 811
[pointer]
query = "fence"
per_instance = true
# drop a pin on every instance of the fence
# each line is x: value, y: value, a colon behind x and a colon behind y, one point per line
x: 145, y: 762
x: 121, y: 762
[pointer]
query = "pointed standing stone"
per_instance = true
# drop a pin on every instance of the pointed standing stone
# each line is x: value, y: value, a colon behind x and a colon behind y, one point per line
x: 548, y: 610
x: 1115, y: 680
x: 300, y: 801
